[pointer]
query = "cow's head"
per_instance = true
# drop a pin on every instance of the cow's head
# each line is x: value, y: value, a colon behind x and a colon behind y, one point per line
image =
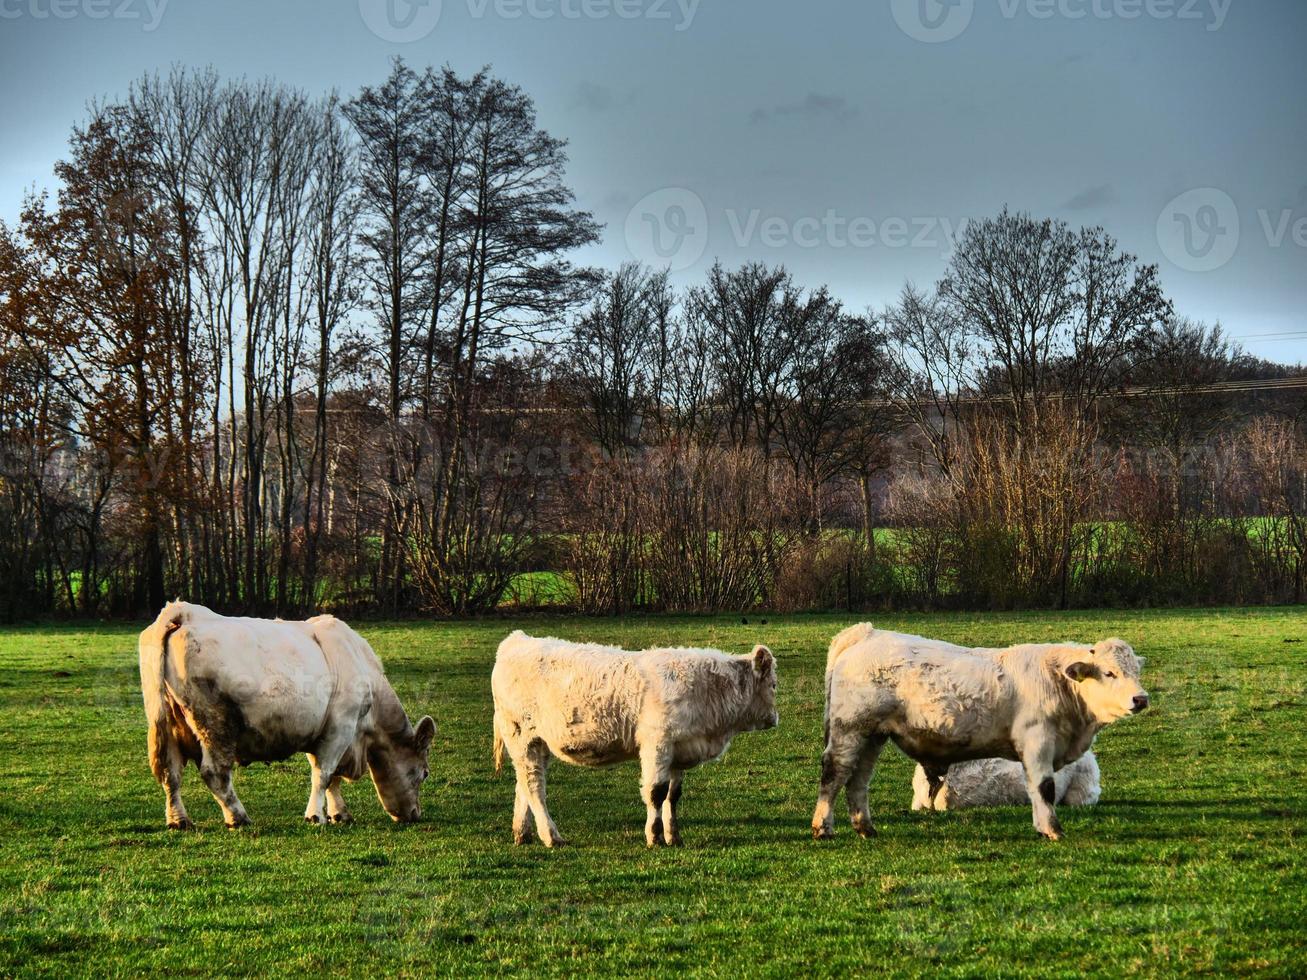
x: 399, y: 768
x: 1107, y: 680
x: 761, y: 712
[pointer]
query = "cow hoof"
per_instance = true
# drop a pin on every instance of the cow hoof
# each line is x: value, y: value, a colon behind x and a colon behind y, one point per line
x: 822, y: 833
x: 556, y: 842
x: 675, y: 841
x: 238, y: 823
x: 341, y: 818
x: 185, y: 823
x: 1053, y: 835
x: 866, y: 832
x: 521, y: 839
x: 314, y: 819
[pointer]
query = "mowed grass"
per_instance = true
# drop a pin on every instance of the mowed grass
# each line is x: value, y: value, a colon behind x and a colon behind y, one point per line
x: 1192, y: 862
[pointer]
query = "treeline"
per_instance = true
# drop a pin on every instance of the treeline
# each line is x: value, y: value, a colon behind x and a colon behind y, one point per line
x: 275, y: 353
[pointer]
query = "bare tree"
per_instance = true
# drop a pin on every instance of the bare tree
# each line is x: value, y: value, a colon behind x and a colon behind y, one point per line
x: 834, y: 415
x: 391, y: 128
x: 615, y: 353
x: 932, y: 364
x: 331, y: 290
x: 1055, y: 313
x: 516, y: 225
x: 754, y: 317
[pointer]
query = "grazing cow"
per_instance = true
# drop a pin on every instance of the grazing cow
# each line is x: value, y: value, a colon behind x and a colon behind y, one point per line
x: 222, y: 692
x: 941, y: 704
x: 599, y: 706
x: 998, y: 782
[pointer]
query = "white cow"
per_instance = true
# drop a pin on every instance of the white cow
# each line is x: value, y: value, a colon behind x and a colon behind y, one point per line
x: 1040, y: 704
x: 599, y: 706
x: 222, y: 692
x: 998, y: 782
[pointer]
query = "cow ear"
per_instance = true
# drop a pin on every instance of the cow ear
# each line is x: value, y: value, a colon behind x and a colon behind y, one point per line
x: 763, y: 660
x: 423, y: 734
x: 1079, y: 671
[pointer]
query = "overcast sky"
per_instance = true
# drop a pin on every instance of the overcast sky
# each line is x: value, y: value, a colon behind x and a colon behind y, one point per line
x: 844, y: 138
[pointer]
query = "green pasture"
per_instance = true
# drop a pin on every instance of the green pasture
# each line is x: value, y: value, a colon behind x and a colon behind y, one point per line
x: 1193, y: 863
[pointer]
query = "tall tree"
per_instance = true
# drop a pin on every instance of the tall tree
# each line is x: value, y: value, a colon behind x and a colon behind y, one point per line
x: 616, y: 351
x: 516, y: 225
x: 101, y: 310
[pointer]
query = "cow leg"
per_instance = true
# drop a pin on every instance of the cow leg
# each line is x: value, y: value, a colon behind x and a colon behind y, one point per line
x: 843, y: 752
x: 859, y: 781
x: 523, y: 825
x: 671, y: 823
x: 533, y: 770
x: 337, y: 811
x: 934, y: 783
x: 1038, y: 763
x: 325, y: 762
x: 655, y: 787
x: 168, y: 763
x: 216, y: 774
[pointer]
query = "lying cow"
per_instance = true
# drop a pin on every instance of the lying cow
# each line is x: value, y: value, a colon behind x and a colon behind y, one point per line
x: 223, y: 692
x: 599, y: 706
x: 941, y: 704
x: 998, y: 782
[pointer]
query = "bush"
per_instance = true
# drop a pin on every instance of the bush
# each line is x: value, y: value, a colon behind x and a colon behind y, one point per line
x: 820, y: 573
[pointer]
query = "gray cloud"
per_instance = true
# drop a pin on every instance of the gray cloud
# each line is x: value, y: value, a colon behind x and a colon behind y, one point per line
x: 593, y: 97
x: 1092, y: 197
x: 814, y: 106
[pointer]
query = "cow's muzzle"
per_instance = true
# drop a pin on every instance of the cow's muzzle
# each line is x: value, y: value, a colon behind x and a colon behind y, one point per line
x: 1140, y: 703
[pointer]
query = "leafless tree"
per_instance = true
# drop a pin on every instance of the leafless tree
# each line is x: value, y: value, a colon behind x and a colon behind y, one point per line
x: 616, y: 354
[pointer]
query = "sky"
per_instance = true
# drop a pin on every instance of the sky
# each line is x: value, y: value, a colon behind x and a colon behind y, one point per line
x: 848, y: 139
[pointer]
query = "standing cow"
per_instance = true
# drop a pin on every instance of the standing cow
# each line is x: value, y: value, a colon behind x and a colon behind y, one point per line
x: 598, y: 706
x: 1041, y: 705
x: 222, y: 692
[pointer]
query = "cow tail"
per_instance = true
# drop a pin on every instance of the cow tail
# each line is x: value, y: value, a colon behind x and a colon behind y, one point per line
x: 153, y: 651
x: 842, y: 642
x: 499, y: 747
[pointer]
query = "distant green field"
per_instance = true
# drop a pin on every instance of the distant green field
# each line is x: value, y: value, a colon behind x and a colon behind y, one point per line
x: 1192, y: 863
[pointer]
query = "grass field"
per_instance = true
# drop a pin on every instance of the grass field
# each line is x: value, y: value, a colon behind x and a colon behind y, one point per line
x: 1192, y: 863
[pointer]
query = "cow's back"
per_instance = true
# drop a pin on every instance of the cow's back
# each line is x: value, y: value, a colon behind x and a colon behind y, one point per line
x: 255, y: 690
x: 584, y: 701
x: 919, y: 690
